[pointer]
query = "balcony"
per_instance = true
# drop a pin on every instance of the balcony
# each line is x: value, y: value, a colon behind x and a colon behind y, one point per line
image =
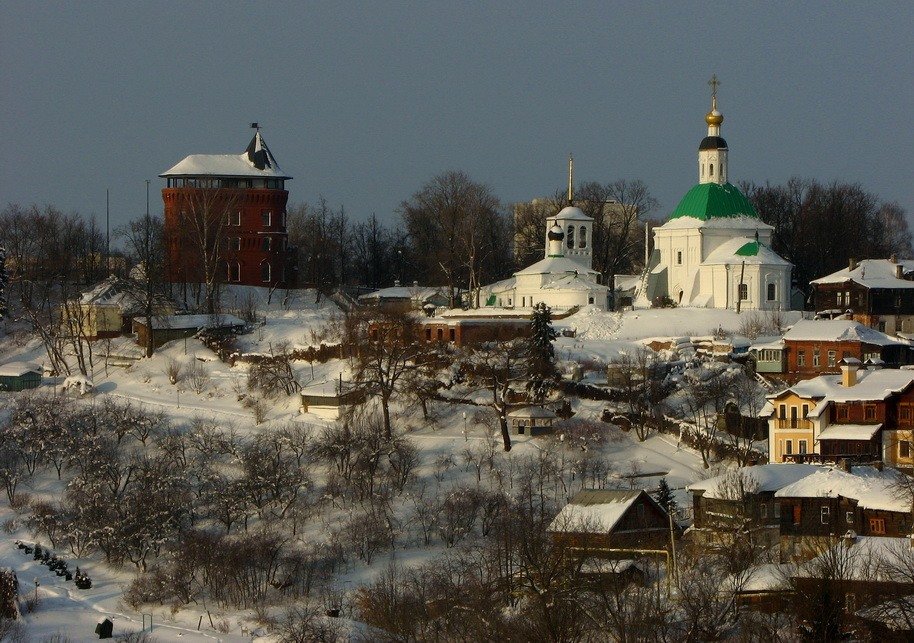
x: 793, y: 423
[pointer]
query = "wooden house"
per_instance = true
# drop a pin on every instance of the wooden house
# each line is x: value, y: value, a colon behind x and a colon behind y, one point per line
x: 832, y: 501
x: 876, y: 292
x: 816, y: 347
x: 19, y: 376
x: 861, y: 415
x: 612, y: 522
x: 742, y: 503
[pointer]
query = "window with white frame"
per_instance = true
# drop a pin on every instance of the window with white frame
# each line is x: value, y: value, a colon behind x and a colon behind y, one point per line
x: 824, y: 514
x: 265, y: 271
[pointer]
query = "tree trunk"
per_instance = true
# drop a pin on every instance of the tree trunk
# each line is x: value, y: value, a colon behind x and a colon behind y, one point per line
x: 505, y: 433
x: 385, y: 407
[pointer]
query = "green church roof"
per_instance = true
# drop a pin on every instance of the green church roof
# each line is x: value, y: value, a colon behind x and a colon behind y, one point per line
x: 748, y: 250
x: 709, y: 200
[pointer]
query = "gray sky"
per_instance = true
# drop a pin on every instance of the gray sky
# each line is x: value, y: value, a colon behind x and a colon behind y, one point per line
x: 363, y: 102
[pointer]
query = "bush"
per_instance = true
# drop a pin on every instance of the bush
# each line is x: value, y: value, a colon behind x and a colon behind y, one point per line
x: 662, y: 301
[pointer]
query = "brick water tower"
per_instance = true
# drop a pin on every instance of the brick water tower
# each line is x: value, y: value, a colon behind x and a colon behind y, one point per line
x: 225, y: 216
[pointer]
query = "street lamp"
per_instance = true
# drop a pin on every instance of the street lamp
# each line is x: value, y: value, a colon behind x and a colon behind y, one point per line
x: 465, y: 438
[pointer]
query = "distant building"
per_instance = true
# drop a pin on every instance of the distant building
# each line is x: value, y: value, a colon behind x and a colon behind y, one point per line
x: 564, y: 279
x: 405, y: 298
x: 107, y: 309
x: 876, y: 292
x: 235, y: 204
x: 715, y: 251
x: 19, y: 376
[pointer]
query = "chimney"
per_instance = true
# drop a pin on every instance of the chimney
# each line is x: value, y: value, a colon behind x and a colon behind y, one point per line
x: 899, y: 270
x: 849, y: 538
x: 396, y: 282
x: 849, y: 367
x: 893, y: 258
x: 851, y: 264
x: 415, y: 284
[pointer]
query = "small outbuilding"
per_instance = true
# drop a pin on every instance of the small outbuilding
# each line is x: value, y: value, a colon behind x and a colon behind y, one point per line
x: 18, y: 376
x: 166, y: 328
x: 330, y: 399
x: 532, y: 420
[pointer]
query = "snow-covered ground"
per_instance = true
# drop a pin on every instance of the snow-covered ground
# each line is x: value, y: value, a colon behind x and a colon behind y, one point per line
x: 301, y: 321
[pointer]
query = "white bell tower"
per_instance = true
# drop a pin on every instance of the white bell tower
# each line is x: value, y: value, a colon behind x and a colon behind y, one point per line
x: 576, y: 228
x: 712, y: 152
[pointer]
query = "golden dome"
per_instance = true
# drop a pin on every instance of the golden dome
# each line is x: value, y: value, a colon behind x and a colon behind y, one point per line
x: 714, y: 117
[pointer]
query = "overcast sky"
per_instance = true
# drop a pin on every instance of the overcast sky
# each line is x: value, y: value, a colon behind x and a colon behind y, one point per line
x: 364, y: 102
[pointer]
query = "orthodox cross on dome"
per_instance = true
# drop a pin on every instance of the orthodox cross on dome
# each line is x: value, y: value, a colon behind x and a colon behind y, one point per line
x: 714, y: 83
x: 570, y: 179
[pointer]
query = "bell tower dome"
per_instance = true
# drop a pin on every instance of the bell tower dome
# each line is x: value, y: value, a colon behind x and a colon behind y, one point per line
x: 575, y: 226
x: 712, y: 151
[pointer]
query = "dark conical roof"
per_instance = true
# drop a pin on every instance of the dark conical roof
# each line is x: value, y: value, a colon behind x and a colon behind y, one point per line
x: 259, y: 154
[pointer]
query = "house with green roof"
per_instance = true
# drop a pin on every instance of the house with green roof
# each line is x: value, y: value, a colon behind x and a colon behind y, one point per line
x: 714, y: 251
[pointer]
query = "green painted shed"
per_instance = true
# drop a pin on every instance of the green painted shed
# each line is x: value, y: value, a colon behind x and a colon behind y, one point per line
x: 18, y: 376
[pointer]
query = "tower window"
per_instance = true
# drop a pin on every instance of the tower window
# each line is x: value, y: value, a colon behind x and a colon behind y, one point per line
x: 235, y: 243
x: 772, y: 292
x: 265, y: 244
x: 234, y: 218
x: 582, y: 238
x: 234, y: 271
x: 266, y: 218
x: 265, y: 271
x: 679, y: 257
x: 711, y: 169
x: 570, y: 236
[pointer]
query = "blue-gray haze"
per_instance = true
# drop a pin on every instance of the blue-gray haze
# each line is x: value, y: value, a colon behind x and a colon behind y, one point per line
x: 363, y: 102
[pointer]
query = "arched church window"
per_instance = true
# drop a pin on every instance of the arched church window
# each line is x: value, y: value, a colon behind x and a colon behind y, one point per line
x: 711, y: 170
x: 570, y: 236
x: 582, y: 239
x: 265, y: 271
x: 772, y: 292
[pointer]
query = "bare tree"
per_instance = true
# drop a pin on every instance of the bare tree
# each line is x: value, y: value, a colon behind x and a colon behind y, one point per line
x: 145, y: 240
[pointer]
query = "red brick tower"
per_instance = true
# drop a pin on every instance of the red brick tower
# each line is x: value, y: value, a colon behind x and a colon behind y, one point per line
x: 225, y: 217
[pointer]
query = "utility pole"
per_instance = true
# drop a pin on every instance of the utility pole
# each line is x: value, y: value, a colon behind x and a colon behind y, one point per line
x: 107, y: 233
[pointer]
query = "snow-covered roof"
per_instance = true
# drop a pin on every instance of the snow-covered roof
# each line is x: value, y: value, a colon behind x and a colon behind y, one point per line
x: 627, y: 282
x: 895, y: 614
x: 594, y: 510
x: 744, y: 250
x: 871, y: 488
x: 17, y: 369
x: 748, y: 224
x: 837, y: 330
x: 255, y: 161
x: 762, y: 477
x: 532, y: 412
x: 872, y: 273
x: 871, y: 385
x: 768, y: 577
x: 570, y: 213
x: 420, y: 293
x: 554, y: 266
x: 574, y: 282
x: 850, y: 431
x: 160, y: 322
x: 606, y: 566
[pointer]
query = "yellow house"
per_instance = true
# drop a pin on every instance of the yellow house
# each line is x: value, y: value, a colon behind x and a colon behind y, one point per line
x: 107, y: 310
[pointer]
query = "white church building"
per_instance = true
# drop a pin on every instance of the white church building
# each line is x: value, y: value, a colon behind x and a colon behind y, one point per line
x: 714, y: 251
x: 564, y: 278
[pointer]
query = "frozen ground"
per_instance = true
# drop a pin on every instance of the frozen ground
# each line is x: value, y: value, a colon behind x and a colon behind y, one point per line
x: 300, y: 321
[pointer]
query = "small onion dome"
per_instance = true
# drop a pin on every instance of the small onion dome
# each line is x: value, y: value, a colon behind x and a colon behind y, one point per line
x: 555, y: 233
x: 714, y: 117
